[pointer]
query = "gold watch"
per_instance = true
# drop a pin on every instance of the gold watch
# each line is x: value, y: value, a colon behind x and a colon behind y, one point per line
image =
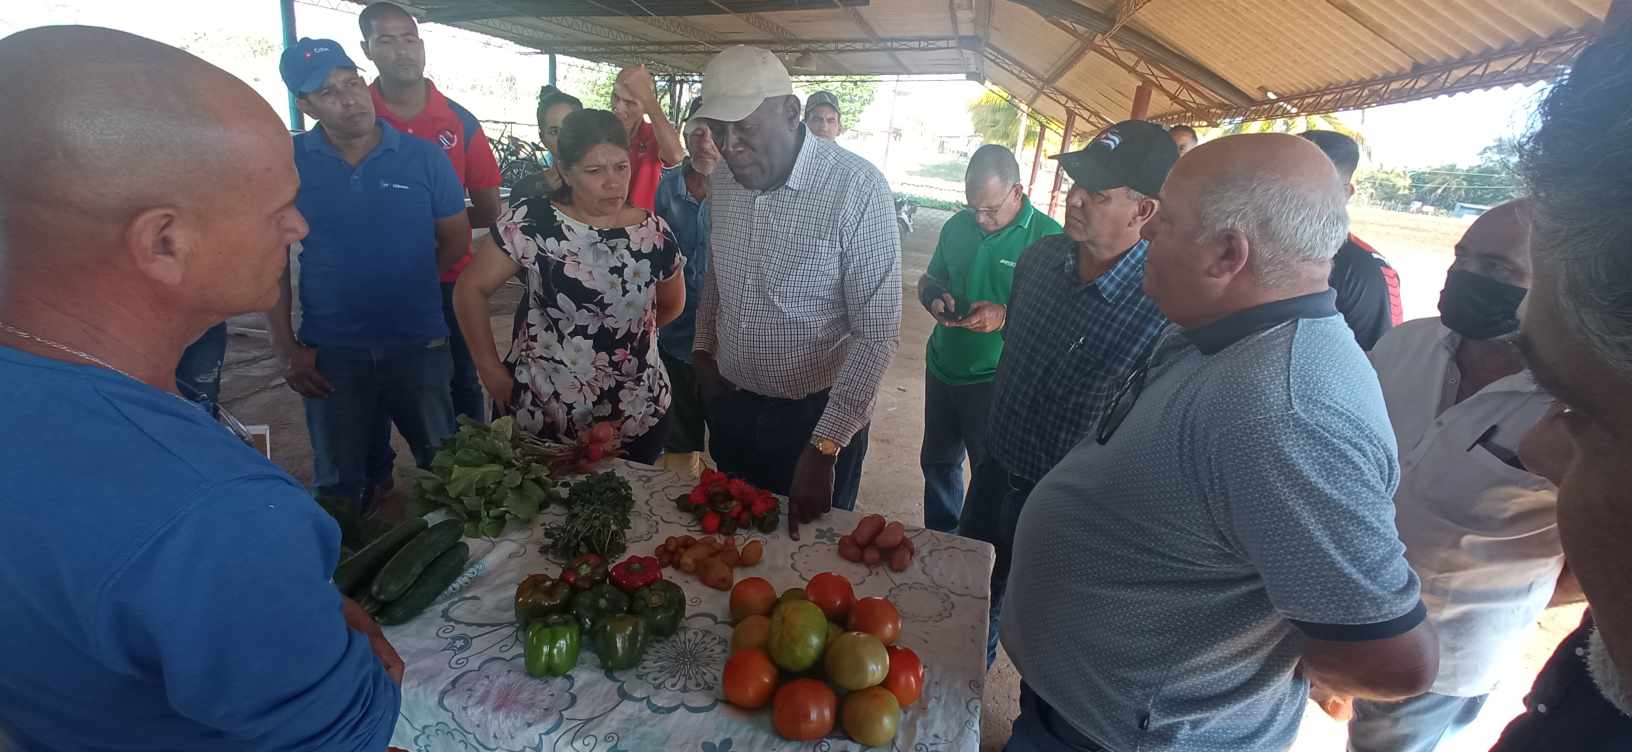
x: 828, y: 447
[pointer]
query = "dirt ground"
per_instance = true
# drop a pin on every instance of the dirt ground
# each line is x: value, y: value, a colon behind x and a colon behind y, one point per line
x: 1418, y: 247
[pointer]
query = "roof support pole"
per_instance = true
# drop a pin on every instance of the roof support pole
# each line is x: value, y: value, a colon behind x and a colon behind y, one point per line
x: 552, y: 69
x: 1059, y: 175
x: 1141, y: 102
x: 1037, y: 156
x: 286, y: 8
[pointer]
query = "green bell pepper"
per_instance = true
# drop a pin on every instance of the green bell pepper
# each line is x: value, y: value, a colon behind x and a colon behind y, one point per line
x: 552, y: 646
x: 661, y: 605
x: 595, y: 605
x: 621, y: 641
x: 541, y: 595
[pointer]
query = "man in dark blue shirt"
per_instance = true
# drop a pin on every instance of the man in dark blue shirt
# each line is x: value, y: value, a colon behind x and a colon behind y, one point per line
x: 1078, y: 323
x: 682, y: 201
x: 387, y: 217
x: 165, y: 586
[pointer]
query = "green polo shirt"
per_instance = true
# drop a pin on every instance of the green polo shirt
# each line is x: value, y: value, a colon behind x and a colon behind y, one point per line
x: 976, y: 266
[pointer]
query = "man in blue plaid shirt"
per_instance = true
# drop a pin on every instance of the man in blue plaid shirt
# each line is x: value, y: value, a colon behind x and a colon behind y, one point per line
x: 1078, y: 323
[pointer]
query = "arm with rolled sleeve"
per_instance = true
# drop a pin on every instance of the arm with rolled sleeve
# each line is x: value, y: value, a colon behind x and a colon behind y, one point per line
x: 1310, y: 504
x: 871, y: 266
x: 231, y: 608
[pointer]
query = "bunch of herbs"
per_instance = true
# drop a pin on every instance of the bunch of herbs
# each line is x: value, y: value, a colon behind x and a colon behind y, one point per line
x: 597, y: 519
x: 487, y: 475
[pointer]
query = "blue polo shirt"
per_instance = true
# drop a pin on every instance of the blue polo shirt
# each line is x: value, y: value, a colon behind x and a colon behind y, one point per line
x: 165, y: 587
x: 1167, y: 569
x: 688, y: 219
x: 368, y: 274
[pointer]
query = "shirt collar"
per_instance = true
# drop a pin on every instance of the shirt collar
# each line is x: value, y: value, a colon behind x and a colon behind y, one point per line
x: 805, y: 163
x: 317, y: 140
x: 1022, y: 220
x: 1516, y: 382
x: 1127, y: 273
x: 1215, y: 337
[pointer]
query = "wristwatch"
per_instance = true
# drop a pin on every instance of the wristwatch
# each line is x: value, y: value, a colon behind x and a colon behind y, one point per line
x: 828, y: 447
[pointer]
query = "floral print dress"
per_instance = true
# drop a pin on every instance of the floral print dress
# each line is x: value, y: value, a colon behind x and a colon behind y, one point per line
x: 587, y: 352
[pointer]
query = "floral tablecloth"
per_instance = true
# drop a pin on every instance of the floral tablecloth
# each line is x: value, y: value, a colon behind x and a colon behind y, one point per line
x: 466, y: 689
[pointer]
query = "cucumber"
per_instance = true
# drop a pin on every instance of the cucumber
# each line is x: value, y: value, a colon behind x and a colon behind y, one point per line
x: 370, y: 605
x: 435, y: 579
x: 405, y: 565
x: 353, y: 574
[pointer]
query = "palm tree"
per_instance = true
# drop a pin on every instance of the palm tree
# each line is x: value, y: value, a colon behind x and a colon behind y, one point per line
x: 1296, y: 124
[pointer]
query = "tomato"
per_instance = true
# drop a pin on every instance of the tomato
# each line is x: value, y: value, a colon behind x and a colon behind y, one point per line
x: 906, y: 678
x: 749, y: 679
x: 753, y: 633
x: 876, y: 617
x: 792, y: 594
x: 872, y: 716
x: 804, y: 710
x: 831, y: 593
x: 798, y: 635
x: 752, y: 596
x: 857, y: 660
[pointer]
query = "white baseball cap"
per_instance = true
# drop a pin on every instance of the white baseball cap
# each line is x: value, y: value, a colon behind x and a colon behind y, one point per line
x: 738, y: 80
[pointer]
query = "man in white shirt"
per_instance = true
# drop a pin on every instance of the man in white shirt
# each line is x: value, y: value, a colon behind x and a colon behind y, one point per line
x: 1480, y: 530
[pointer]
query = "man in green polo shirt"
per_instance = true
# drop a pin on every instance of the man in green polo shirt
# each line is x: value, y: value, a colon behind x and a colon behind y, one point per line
x: 967, y: 291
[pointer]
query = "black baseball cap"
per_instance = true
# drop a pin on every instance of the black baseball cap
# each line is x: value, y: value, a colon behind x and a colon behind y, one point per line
x: 1134, y: 153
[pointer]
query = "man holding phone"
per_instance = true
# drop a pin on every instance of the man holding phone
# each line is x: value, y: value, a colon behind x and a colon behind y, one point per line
x: 967, y: 291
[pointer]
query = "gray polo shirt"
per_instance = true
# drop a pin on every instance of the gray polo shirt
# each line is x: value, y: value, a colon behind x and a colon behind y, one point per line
x: 1165, y: 570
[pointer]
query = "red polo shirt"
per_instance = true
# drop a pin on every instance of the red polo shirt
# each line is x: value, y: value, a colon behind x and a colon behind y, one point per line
x: 645, y: 168
x: 444, y: 123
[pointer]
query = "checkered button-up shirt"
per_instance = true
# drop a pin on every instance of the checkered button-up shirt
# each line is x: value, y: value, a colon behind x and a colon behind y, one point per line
x: 803, y: 293
x: 1068, y: 346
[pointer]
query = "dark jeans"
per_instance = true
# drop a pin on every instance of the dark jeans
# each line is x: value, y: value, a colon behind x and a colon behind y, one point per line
x: 688, y: 421
x: 954, y: 419
x: 760, y: 439
x: 991, y: 514
x: 466, y: 389
x: 1040, y: 729
x: 407, y: 386
x: 649, y: 447
x: 198, y: 375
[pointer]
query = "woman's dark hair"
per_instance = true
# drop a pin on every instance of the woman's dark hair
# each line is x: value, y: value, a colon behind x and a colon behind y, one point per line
x: 549, y: 96
x: 581, y: 131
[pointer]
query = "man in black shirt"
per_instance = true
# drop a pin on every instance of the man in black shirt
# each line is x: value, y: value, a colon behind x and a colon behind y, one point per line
x: 1368, y: 289
x: 1577, y: 341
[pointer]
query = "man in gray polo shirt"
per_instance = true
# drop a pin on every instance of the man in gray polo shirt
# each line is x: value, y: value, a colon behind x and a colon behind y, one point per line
x: 1226, y: 535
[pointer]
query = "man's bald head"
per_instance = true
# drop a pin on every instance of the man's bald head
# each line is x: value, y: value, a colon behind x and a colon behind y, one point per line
x: 128, y: 157
x: 1497, y: 244
x: 1244, y: 218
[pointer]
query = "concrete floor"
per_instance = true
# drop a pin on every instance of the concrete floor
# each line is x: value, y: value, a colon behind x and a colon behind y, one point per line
x: 891, y: 482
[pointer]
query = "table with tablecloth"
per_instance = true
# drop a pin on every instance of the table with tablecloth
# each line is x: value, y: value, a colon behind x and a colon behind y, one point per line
x: 466, y: 689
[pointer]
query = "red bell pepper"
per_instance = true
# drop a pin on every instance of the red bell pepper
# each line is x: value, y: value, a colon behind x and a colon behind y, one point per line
x: 636, y: 572
x: 585, y: 572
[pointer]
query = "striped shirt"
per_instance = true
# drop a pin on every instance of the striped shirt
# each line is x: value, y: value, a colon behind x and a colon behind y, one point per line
x: 803, y: 293
x: 1068, y: 346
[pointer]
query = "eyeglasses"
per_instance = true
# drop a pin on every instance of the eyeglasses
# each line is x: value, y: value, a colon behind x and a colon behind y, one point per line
x: 991, y: 212
x: 1123, y: 403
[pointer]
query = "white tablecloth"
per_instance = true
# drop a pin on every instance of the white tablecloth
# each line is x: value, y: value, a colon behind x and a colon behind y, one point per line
x: 466, y: 689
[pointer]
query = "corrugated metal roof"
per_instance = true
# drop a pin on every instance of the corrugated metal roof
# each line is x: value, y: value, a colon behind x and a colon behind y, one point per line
x: 1206, y: 60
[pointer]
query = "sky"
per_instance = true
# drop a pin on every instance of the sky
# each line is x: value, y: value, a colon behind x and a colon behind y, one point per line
x: 498, y: 80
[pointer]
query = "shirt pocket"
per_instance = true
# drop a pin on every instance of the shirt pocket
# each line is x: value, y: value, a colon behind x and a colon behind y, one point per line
x: 804, y: 271
x: 1076, y: 379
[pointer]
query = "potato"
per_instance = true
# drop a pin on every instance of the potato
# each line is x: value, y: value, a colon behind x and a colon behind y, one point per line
x: 890, y: 536
x: 671, y: 542
x: 871, y: 556
x: 849, y: 550
x: 900, y: 558
x: 752, y: 553
x: 868, y: 529
x: 907, y: 543
x: 686, y: 542
x: 729, y: 555
x: 716, y: 574
x: 695, y: 556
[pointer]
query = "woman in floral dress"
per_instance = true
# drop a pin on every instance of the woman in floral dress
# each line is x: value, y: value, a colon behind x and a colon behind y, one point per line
x: 602, y: 275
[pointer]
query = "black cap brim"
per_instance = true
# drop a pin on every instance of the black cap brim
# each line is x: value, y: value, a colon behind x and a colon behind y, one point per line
x: 1085, y: 170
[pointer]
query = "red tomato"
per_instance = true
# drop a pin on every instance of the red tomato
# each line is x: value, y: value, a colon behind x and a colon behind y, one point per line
x: 749, y: 679
x: 876, y: 617
x: 906, y: 677
x: 752, y: 596
x: 832, y: 594
x: 804, y: 710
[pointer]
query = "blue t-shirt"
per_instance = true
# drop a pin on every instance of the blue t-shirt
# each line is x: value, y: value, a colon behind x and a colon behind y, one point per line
x: 368, y: 275
x: 164, y: 586
x: 688, y: 219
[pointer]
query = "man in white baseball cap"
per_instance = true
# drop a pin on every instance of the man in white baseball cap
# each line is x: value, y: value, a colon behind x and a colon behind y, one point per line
x: 801, y: 305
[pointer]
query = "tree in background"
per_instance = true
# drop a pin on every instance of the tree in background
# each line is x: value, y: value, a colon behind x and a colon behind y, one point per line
x: 855, y: 93
x: 1491, y: 181
x: 1299, y: 124
x: 998, y: 122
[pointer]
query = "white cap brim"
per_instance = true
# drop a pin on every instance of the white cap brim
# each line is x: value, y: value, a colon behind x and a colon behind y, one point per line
x: 728, y: 109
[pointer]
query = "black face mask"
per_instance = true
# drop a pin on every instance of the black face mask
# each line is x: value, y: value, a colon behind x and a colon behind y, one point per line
x: 1478, y: 307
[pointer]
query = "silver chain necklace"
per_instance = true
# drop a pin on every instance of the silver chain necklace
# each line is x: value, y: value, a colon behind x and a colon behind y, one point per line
x: 24, y: 334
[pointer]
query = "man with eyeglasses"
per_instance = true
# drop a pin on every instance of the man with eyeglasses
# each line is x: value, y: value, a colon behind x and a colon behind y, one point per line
x: 967, y: 289
x: 1077, y: 323
x: 1227, y: 536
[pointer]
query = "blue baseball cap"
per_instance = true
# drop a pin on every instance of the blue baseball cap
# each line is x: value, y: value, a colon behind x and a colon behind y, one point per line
x: 306, y: 64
